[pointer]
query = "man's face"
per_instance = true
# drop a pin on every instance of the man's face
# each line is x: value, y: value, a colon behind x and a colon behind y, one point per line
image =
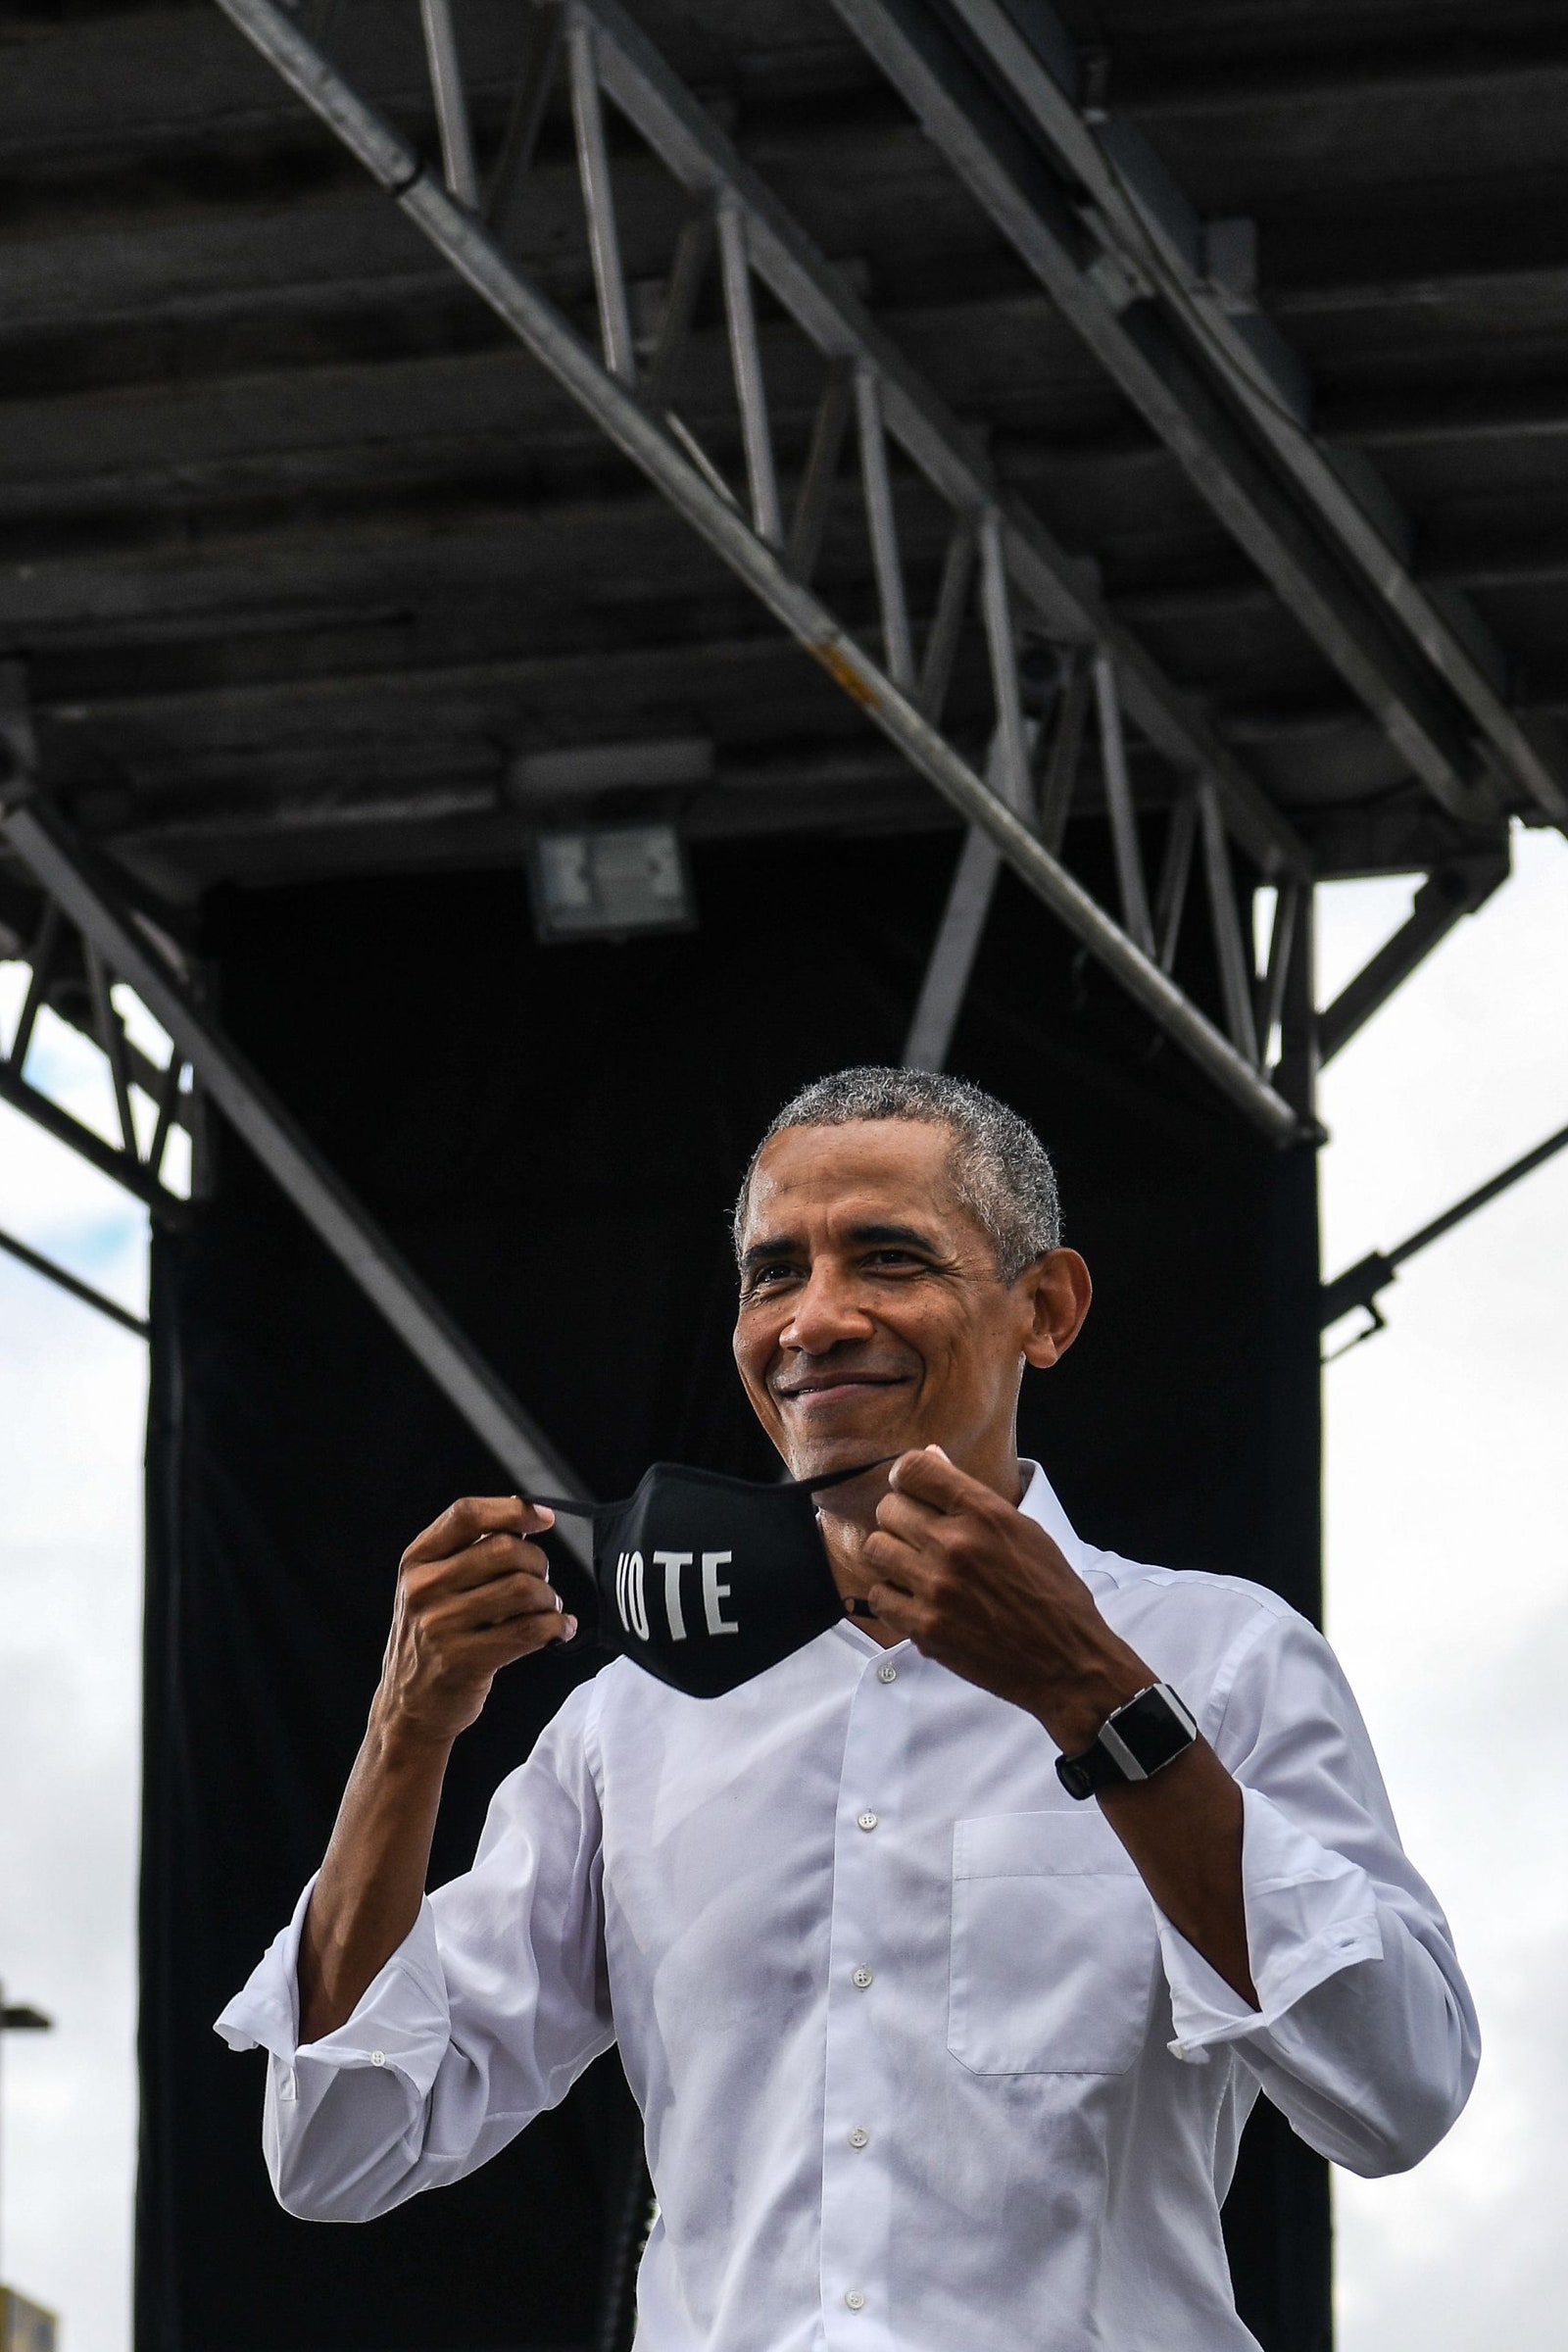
x: 872, y: 1318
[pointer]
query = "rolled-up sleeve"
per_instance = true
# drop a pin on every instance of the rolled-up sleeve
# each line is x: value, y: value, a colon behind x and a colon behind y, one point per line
x: 1365, y: 2036
x: 483, y: 2017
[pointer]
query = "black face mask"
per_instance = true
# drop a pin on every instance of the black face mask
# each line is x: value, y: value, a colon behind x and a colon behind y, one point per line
x: 706, y: 1580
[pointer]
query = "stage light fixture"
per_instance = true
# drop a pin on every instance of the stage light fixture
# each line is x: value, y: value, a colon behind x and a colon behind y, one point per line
x: 611, y: 883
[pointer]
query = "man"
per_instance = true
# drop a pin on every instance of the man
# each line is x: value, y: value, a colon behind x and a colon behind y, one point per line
x: 930, y: 2051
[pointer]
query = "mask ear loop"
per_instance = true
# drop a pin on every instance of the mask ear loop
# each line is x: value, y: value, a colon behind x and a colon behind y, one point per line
x: 855, y: 1603
x: 585, y: 1602
x: 841, y: 1477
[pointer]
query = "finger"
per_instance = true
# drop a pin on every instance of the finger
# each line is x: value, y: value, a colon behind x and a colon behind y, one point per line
x: 928, y: 1474
x: 899, y: 1611
x: 898, y: 1563
x: 483, y: 1564
x: 519, y: 1636
x: 912, y: 1520
x: 498, y: 1645
x: 464, y: 1523
x: 497, y: 1603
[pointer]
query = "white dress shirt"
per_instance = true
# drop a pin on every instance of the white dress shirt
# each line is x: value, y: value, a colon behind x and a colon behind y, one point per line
x: 921, y: 2066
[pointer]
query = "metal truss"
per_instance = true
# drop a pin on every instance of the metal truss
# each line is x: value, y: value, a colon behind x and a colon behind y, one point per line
x: 1001, y: 567
x: 116, y: 939
x: 68, y: 974
x: 1165, y: 300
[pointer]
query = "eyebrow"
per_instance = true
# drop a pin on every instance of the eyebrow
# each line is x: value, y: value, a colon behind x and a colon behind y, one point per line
x: 786, y: 1244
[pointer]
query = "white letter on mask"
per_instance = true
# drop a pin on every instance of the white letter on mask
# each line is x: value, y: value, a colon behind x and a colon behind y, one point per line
x: 714, y: 1592
x: 629, y: 1594
x: 673, y: 1563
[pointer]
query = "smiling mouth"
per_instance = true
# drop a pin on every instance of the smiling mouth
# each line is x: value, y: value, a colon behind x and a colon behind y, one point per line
x: 840, y: 1391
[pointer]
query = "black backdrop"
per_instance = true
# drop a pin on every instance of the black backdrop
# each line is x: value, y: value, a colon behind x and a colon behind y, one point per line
x: 554, y: 1137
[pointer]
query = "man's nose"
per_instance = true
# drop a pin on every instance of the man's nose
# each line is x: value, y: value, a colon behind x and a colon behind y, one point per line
x: 826, y: 1312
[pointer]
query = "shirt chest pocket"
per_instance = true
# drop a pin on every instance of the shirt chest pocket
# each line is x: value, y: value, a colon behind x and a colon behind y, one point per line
x: 1055, y: 1947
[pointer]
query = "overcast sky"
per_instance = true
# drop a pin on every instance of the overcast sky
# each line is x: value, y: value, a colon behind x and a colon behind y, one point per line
x: 1448, y: 1493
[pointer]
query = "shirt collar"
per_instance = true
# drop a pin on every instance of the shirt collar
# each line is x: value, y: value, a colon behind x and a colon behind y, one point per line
x: 1042, y: 1503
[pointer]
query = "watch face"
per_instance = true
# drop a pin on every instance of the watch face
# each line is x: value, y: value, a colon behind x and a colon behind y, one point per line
x: 1154, y: 1729
x: 1150, y: 1731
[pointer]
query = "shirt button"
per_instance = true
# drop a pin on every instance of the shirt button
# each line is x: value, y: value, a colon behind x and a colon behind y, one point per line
x: 378, y: 2057
x: 885, y: 1674
x: 859, y: 2137
x: 855, y: 2300
x: 867, y: 1821
x: 862, y: 1978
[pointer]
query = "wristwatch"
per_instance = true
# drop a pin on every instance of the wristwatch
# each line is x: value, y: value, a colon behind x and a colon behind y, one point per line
x: 1132, y: 1744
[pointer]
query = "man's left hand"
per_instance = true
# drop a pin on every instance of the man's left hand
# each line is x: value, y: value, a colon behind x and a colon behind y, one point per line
x: 982, y: 1588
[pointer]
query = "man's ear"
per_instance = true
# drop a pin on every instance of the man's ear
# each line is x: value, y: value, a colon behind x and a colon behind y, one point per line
x: 1058, y: 1290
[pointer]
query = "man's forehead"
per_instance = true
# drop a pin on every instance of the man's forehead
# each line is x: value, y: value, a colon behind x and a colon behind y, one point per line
x: 845, y: 1173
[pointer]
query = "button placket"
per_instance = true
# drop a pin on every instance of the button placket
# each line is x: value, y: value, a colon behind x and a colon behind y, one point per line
x: 856, y: 2183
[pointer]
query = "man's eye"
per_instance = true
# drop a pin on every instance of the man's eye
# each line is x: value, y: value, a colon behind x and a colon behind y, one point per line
x: 763, y: 1276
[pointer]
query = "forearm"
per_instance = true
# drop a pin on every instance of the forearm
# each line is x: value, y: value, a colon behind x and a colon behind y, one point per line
x: 373, y: 1879
x: 1182, y: 1827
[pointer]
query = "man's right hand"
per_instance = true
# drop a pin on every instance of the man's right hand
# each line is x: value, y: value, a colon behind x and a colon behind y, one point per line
x: 473, y: 1594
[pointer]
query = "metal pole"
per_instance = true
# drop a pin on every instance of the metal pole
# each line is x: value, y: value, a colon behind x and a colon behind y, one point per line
x: 450, y: 106
x: 599, y: 200
x: 1235, y: 968
x: 1119, y: 806
x: 746, y: 360
x: 391, y: 1285
x: 898, y: 645
x: 1010, y: 750
x: 947, y: 623
x: 70, y: 1281
x: 1359, y: 1284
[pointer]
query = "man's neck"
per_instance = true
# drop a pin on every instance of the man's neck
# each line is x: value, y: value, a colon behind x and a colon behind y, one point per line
x: 846, y: 1539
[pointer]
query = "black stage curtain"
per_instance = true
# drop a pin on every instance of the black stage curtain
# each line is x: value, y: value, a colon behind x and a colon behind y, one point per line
x: 554, y: 1135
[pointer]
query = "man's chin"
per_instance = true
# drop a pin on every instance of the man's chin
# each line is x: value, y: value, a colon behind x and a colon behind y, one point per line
x: 820, y: 1452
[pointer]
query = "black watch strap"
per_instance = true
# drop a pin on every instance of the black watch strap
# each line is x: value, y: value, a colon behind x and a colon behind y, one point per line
x: 1134, y: 1743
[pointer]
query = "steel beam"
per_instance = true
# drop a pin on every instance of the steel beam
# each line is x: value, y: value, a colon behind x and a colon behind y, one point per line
x: 64, y: 1280
x: 1443, y: 900
x: 90, y: 899
x: 1051, y: 587
x: 953, y: 954
x: 1359, y: 1285
x: 1104, y: 232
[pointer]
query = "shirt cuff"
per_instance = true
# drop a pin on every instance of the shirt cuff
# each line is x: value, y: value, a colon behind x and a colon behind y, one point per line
x: 1309, y: 1914
x: 402, y: 2020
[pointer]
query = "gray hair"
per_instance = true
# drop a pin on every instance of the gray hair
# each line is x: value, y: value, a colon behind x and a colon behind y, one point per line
x: 1000, y: 1170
